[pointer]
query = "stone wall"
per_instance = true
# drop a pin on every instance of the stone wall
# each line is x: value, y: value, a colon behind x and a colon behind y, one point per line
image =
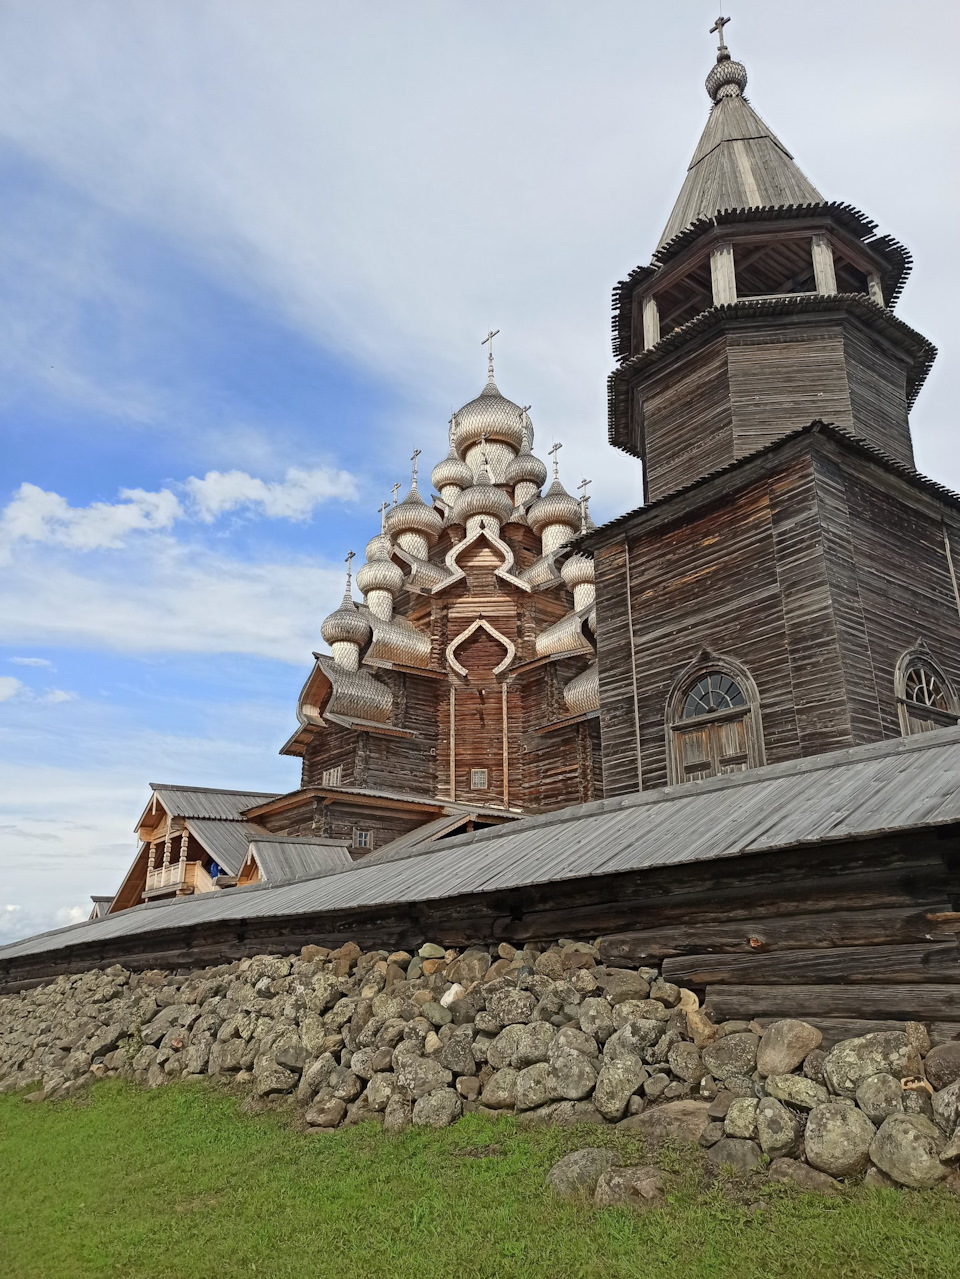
x: 546, y: 1032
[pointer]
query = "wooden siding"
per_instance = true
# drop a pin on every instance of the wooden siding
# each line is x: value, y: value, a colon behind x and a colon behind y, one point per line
x: 816, y: 576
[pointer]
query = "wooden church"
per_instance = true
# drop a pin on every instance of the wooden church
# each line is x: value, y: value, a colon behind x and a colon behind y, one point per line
x: 787, y: 589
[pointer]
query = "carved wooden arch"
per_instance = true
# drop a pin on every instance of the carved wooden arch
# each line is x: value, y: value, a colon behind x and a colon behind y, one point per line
x: 675, y: 726
x: 498, y: 544
x: 915, y: 717
x: 480, y: 623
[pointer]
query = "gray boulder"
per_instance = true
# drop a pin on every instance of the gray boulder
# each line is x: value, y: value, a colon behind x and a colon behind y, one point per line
x: 398, y: 1115
x: 511, y: 1007
x: 622, y: 984
x: 778, y: 1129
x: 800, y: 1174
x: 616, y: 1083
x: 536, y: 1086
x: 741, y: 1118
x: 734, y: 1152
x: 686, y: 1062
x: 533, y: 1044
x: 500, y: 1090
x: 269, y: 1078
x: 575, y: 1176
x: 596, y: 1019
x: 416, y: 1076
x: 570, y: 1038
x: 629, y: 1188
x: 502, y: 1050
x: 684, y: 1120
x: 379, y: 1090
x: 907, y: 1148
x: 326, y: 1114
x: 732, y: 1055
x: 942, y: 1064
x: 946, y: 1107
x: 837, y: 1139
x: 852, y: 1060
x: 879, y: 1096
x: 437, y: 1109
x: 632, y: 1040
x: 784, y: 1046
x: 574, y: 1074
x: 796, y: 1090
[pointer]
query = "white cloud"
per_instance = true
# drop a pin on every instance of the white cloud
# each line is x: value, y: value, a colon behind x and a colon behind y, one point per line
x: 10, y: 687
x: 294, y: 499
x: 57, y: 695
x: 36, y: 515
x: 30, y: 661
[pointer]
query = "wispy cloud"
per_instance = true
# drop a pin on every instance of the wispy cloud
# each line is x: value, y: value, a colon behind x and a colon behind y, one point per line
x: 30, y: 661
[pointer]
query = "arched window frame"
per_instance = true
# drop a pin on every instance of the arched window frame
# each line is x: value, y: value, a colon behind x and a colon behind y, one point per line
x: 909, y: 710
x: 675, y: 725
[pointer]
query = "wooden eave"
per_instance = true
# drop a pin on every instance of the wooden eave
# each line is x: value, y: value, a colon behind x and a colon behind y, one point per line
x: 892, y: 258
x: 331, y: 793
x: 566, y: 722
x: 719, y: 485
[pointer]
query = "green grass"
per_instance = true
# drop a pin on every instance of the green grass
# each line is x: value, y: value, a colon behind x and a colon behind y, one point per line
x: 178, y: 1182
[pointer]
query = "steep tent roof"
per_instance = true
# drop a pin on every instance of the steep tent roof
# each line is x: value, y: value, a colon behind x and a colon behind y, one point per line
x: 740, y: 163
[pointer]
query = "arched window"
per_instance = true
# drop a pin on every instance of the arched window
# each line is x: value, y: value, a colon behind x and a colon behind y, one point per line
x: 925, y: 697
x: 713, y: 721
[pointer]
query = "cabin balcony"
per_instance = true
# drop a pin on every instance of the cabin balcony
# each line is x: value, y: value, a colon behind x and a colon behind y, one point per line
x: 179, y: 879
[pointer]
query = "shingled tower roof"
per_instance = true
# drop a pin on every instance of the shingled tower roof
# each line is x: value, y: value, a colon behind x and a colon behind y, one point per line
x: 740, y: 163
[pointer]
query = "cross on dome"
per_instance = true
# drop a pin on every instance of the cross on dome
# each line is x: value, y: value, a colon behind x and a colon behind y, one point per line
x: 395, y: 490
x: 383, y: 508
x: 556, y: 464
x: 416, y: 465
x: 717, y: 29
x: 488, y: 341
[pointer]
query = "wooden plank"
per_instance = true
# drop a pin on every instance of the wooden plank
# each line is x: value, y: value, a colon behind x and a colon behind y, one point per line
x: 904, y: 1002
x: 938, y: 963
x: 792, y: 932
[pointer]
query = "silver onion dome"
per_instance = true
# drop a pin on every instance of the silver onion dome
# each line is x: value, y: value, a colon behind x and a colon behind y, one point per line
x: 346, y: 625
x: 380, y: 575
x: 482, y: 499
x: 413, y: 515
x: 452, y: 470
x: 555, y: 507
x: 526, y: 467
x: 379, y: 548
x: 576, y: 571
x: 490, y: 415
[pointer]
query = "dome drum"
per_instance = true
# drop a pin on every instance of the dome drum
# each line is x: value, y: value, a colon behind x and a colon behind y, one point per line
x: 582, y: 694
x: 346, y: 654
x: 497, y: 457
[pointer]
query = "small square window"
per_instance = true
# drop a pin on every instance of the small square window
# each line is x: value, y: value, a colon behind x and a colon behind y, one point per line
x: 332, y: 776
x: 478, y: 779
x: 362, y: 838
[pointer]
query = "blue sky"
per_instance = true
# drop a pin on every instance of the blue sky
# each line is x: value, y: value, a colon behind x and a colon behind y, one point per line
x: 247, y: 255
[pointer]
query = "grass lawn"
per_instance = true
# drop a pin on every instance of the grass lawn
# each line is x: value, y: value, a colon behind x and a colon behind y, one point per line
x: 178, y: 1182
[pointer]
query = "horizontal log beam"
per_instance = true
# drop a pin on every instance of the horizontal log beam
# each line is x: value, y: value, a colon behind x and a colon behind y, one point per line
x: 898, y: 1003
x: 854, y: 964
x: 901, y: 925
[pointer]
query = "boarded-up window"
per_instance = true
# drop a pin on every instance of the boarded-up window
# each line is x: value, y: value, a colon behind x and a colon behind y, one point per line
x: 332, y: 776
x: 713, y: 726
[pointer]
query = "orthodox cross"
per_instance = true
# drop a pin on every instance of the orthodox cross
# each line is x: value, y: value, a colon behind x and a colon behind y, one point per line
x: 395, y: 490
x: 384, y: 506
x: 484, y: 459
x: 525, y: 422
x: 583, y: 486
x: 488, y: 340
x: 556, y: 464
x: 416, y: 465
x: 717, y: 28
x: 348, y: 560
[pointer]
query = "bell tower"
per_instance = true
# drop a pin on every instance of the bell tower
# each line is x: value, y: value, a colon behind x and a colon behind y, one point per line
x: 765, y: 307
